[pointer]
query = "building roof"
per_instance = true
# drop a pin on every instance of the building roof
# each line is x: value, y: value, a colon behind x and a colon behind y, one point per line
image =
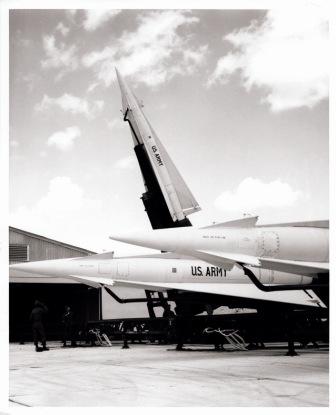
x: 43, y: 238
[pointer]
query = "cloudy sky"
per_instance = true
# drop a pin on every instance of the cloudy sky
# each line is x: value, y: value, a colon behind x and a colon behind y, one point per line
x: 239, y: 99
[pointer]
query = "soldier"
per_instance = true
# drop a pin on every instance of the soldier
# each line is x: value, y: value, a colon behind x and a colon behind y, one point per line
x: 168, y: 312
x: 67, y: 320
x: 36, y: 318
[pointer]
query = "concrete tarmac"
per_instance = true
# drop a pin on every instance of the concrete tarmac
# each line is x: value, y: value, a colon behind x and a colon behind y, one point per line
x: 157, y: 375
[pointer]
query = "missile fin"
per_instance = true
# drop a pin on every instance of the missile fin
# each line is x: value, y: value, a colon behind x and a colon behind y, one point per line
x: 226, y: 260
x: 324, y: 224
x: 295, y: 267
x: 247, y: 290
x: 104, y: 255
x: 248, y: 222
x: 92, y: 281
x: 301, y: 297
x: 187, y: 200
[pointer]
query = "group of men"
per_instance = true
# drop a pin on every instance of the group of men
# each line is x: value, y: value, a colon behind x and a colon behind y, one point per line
x: 37, y: 317
x: 38, y: 314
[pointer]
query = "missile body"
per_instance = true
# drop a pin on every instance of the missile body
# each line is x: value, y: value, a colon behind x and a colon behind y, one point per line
x: 281, y: 243
x: 146, y: 269
x: 177, y: 195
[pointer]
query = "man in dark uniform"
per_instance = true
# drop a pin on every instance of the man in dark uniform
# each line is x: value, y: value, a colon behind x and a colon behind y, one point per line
x: 168, y: 312
x: 181, y: 326
x: 36, y: 318
x: 67, y: 320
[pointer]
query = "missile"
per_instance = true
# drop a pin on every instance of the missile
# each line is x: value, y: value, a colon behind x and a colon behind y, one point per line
x: 162, y: 272
x: 297, y: 248
x: 178, y: 197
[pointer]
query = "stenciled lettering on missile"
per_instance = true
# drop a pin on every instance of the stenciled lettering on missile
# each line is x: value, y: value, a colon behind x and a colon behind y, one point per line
x: 157, y: 156
x: 208, y: 272
x: 213, y: 236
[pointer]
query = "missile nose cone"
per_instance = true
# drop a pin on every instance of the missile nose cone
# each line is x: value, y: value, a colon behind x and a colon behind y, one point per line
x: 118, y: 75
x: 47, y: 267
x: 22, y: 266
x: 134, y: 238
x: 126, y: 97
x: 157, y: 239
x: 27, y: 268
x: 120, y: 237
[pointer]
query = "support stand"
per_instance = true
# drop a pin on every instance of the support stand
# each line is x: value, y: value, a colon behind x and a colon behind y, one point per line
x: 289, y: 317
x: 291, y: 349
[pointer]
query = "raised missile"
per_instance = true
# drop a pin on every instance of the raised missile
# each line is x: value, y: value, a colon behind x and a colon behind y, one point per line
x: 178, y: 197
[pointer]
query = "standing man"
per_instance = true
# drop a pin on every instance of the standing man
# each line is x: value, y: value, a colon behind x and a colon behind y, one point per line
x: 169, y: 314
x: 36, y: 318
x: 67, y: 320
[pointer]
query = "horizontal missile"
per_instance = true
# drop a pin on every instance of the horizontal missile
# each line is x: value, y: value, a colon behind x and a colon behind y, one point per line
x: 284, y: 248
x: 164, y: 272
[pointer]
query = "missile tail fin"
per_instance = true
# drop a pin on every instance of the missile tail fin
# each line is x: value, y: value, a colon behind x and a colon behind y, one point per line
x: 187, y: 200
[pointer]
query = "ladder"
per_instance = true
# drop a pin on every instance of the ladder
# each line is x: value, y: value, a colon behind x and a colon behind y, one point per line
x: 102, y: 338
x: 230, y: 335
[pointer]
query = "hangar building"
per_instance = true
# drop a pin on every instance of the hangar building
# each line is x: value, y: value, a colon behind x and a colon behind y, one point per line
x: 86, y: 302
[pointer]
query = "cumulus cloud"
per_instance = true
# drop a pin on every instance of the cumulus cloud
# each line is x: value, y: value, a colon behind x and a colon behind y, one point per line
x: 64, y: 30
x: 286, y: 56
x: 252, y: 194
x: 30, y: 79
x: 59, y: 56
x: 126, y: 163
x: 154, y: 53
x: 61, y: 213
x: 72, y: 104
x: 94, y: 18
x: 92, y: 87
x: 62, y: 189
x: 71, y: 13
x: 114, y: 123
x: 64, y: 140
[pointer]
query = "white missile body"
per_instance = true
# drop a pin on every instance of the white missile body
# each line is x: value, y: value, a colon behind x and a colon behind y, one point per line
x: 163, y: 272
x: 150, y: 270
x: 178, y: 197
x: 295, y: 248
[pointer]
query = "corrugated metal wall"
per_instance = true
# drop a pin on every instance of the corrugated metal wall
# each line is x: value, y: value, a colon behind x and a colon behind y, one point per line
x: 40, y: 249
